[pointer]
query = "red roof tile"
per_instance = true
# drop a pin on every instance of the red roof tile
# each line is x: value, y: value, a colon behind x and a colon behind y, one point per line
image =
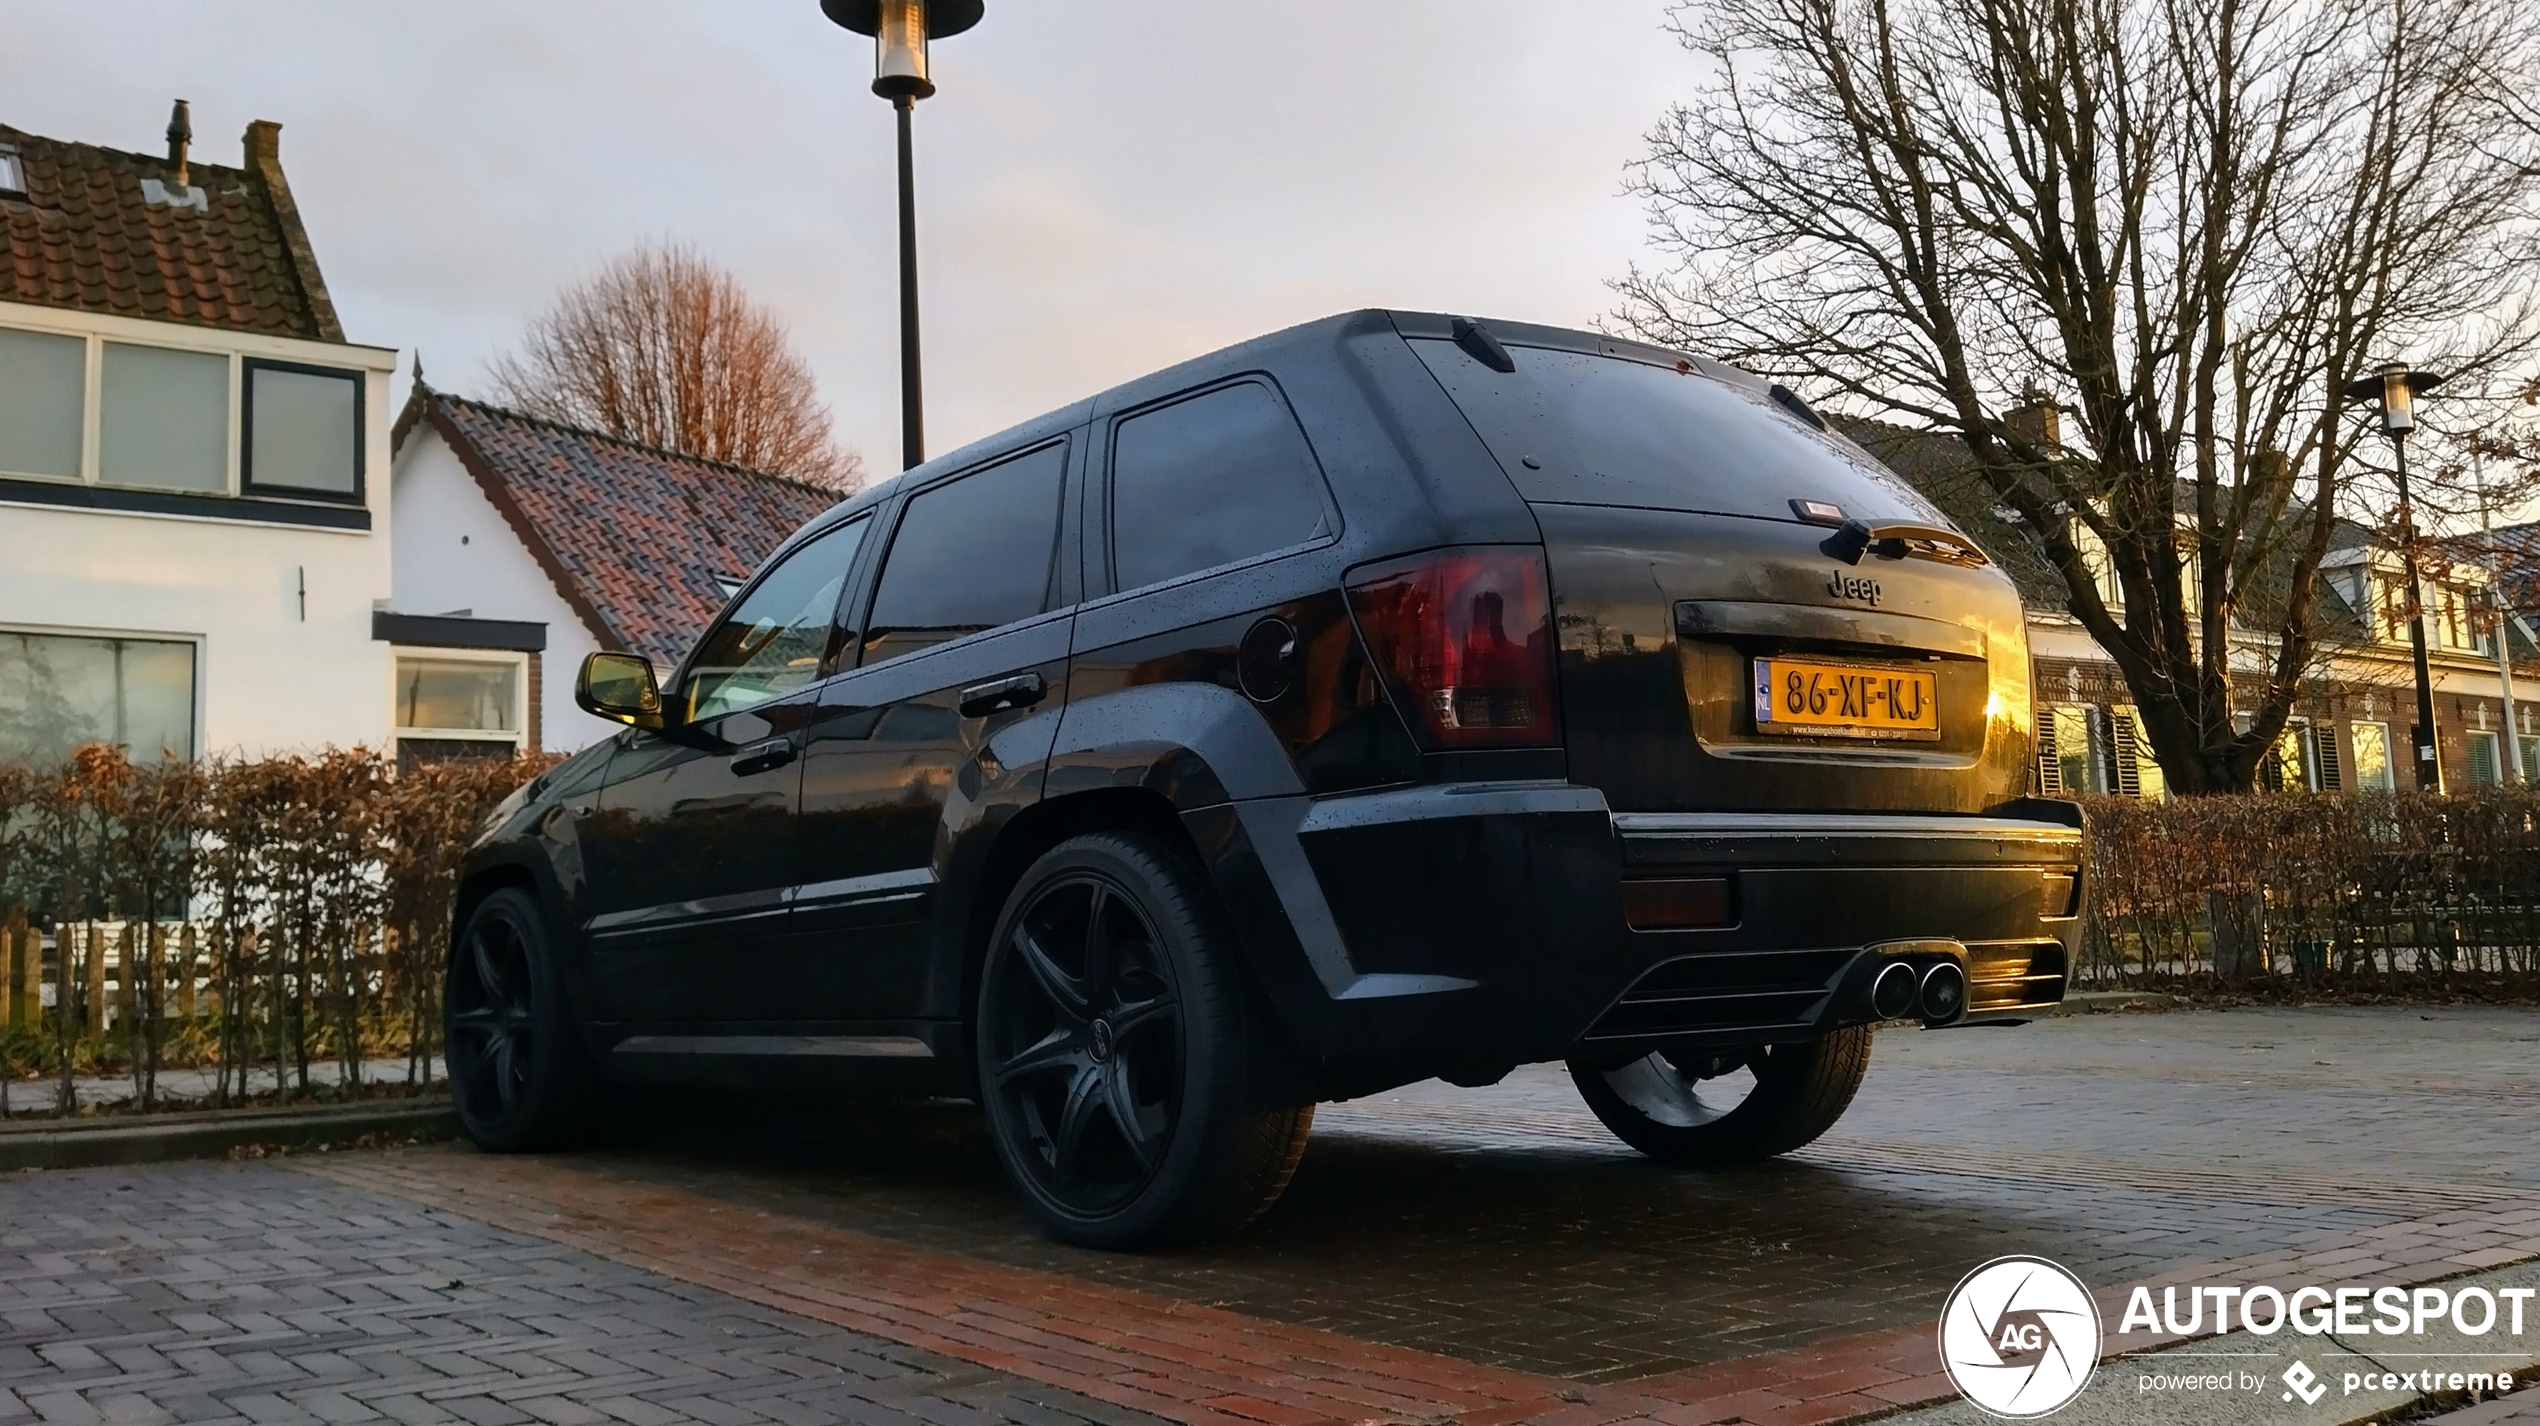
x: 85, y: 236
x: 637, y: 538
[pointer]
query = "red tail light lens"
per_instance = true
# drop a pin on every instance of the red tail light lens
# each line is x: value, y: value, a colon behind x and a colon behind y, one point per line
x: 1463, y: 639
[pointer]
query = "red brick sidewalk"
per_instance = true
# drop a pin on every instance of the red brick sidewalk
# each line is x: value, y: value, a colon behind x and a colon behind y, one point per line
x: 1208, y: 1367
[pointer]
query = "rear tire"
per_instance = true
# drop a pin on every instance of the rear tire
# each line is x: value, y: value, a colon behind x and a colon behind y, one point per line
x: 1120, y: 1052
x: 520, y: 1077
x: 1657, y: 1104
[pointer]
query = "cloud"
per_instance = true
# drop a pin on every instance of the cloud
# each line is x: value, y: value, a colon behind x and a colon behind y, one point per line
x: 1106, y: 186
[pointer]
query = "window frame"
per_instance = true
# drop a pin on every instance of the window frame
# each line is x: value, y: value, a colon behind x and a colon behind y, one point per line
x: 518, y: 662
x: 674, y: 690
x: 856, y: 617
x: 232, y: 502
x: 197, y: 642
x: 90, y: 396
x: 243, y: 399
x: 12, y: 167
x: 1106, y: 571
x: 2389, y: 756
x: 2494, y: 741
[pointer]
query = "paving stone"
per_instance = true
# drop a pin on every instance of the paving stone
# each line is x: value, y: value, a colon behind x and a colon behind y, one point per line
x: 294, y: 1300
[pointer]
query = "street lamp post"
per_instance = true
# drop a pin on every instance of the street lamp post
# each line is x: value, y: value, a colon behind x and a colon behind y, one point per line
x: 2498, y: 605
x: 900, y: 30
x: 2395, y: 388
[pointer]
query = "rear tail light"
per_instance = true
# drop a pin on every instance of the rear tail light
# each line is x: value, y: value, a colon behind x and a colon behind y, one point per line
x: 1463, y: 639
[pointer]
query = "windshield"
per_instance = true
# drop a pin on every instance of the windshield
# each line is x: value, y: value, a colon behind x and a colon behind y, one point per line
x: 1595, y: 430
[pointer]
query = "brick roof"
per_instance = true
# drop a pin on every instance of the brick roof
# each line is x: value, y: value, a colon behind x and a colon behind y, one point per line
x: 86, y: 237
x: 636, y: 538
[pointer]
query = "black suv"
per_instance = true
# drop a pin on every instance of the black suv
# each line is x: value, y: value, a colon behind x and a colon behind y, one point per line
x: 1388, y: 698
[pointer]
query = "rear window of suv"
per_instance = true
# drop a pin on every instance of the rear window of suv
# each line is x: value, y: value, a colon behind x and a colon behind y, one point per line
x: 1578, y: 429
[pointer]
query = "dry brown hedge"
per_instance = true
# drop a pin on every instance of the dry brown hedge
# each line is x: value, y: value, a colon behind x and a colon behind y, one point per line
x: 2342, y: 888
x: 239, y: 913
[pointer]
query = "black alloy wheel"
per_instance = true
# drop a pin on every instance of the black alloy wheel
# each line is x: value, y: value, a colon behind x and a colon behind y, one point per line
x: 1087, y: 1055
x: 1718, y: 1110
x: 1120, y: 1052
x: 517, y: 1075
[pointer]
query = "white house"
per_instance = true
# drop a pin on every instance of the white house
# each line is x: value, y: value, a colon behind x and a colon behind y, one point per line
x: 194, y: 506
x: 524, y: 544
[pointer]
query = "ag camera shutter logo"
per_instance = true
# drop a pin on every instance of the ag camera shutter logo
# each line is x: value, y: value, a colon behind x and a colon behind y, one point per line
x: 2019, y: 1337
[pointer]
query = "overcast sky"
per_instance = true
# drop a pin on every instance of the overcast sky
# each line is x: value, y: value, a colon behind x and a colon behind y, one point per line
x: 1105, y: 186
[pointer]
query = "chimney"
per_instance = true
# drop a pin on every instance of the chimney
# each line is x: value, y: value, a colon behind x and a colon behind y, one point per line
x: 2037, y: 418
x: 180, y: 134
x: 263, y: 142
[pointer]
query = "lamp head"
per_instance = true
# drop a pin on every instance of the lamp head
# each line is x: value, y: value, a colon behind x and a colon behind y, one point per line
x: 2395, y: 388
x: 900, y: 31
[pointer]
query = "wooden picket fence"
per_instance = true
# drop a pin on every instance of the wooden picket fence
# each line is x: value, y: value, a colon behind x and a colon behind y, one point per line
x: 241, y: 915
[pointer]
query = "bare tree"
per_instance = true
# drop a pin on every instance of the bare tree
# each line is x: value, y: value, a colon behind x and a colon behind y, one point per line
x: 2192, y: 221
x: 663, y: 347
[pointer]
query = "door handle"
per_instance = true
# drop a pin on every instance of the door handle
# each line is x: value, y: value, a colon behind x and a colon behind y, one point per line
x: 1003, y: 695
x: 763, y: 757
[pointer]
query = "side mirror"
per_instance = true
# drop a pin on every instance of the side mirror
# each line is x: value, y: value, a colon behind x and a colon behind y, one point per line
x: 619, y: 687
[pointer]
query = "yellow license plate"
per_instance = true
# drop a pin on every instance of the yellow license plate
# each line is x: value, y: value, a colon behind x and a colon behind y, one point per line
x: 1822, y: 698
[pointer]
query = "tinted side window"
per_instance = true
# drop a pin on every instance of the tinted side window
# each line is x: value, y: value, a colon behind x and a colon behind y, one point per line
x: 971, y: 554
x: 1220, y: 477
x: 773, y: 642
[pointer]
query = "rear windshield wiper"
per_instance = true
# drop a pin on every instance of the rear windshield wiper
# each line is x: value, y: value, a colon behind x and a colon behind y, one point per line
x: 1895, y: 542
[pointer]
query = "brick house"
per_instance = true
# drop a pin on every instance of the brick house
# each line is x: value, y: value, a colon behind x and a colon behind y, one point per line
x: 2352, y: 721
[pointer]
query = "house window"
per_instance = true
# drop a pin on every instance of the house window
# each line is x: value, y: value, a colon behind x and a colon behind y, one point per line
x: 302, y: 429
x: 2102, y: 568
x: 2486, y: 760
x: 2286, y: 767
x: 2390, y: 605
x: 166, y: 419
x: 2066, y: 747
x: 12, y: 172
x: 2372, y: 757
x: 459, y: 698
x: 43, y: 387
x: 61, y: 691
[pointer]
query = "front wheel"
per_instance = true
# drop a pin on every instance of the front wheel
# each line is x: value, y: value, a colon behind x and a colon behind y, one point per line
x: 1118, y: 1053
x: 1718, y: 1111
x: 518, y: 1074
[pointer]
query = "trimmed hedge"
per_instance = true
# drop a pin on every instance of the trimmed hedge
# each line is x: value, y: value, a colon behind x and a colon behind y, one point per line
x: 2405, y: 886
x: 231, y: 912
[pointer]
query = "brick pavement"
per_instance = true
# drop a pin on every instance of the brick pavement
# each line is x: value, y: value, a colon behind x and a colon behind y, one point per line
x: 251, y: 1293
x: 1209, y: 1367
x: 1506, y: 1227
x: 1490, y: 1256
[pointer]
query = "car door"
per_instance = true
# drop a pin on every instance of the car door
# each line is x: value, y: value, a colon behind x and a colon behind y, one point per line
x: 961, y: 669
x: 691, y: 852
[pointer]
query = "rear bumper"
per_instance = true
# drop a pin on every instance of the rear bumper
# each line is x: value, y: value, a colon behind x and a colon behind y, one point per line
x: 1459, y: 930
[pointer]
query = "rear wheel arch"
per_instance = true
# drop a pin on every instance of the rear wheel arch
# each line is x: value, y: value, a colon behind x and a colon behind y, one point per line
x: 1023, y: 840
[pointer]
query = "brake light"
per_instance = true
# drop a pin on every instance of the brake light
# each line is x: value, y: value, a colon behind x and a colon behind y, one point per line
x: 1463, y: 639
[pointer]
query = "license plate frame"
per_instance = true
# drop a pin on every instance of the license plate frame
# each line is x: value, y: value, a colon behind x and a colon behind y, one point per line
x: 1845, y: 698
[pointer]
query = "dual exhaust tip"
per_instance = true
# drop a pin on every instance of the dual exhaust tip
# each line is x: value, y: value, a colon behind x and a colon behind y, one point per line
x: 1937, y: 992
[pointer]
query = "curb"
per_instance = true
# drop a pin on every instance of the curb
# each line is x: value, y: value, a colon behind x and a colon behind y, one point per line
x: 86, y: 1143
x: 2101, y: 1002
